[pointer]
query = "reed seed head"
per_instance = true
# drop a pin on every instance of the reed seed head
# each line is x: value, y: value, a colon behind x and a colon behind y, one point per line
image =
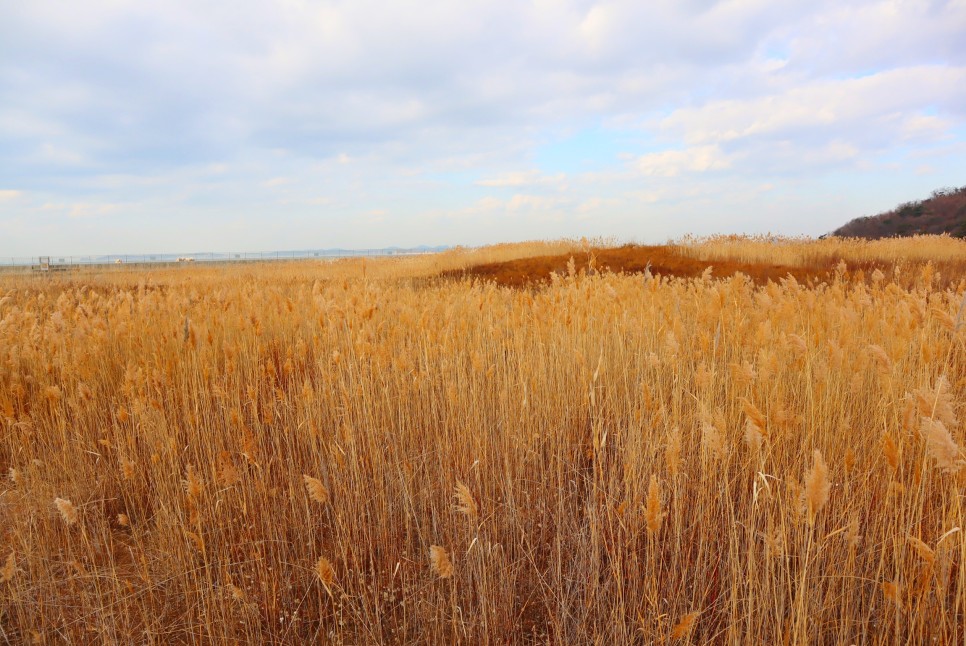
x: 466, y: 504
x: 316, y: 489
x: 67, y: 510
x: 817, y: 486
x: 440, y: 560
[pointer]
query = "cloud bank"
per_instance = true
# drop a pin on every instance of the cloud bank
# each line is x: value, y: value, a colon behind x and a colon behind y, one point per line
x: 146, y: 126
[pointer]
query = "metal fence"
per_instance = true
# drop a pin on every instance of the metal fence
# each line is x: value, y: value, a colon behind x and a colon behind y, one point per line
x: 60, y: 262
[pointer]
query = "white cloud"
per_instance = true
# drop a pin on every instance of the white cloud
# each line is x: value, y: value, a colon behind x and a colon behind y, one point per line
x: 50, y: 154
x: 7, y: 194
x: 482, y: 207
x: 525, y: 178
x: 84, y: 210
x: 670, y: 163
x: 276, y: 182
x: 524, y: 202
x: 596, y: 204
x: 186, y: 112
x: 925, y: 127
x: 518, y: 204
x: 887, y: 99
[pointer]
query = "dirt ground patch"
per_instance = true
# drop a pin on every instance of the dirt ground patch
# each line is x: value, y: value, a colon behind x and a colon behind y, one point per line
x: 661, y: 260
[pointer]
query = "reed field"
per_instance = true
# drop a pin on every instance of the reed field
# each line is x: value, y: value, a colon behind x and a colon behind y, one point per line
x: 399, y: 451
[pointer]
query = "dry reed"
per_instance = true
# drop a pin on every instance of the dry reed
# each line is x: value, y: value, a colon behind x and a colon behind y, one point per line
x: 606, y: 458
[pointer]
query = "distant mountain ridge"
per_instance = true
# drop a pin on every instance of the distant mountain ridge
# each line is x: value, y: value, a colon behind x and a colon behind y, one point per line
x: 943, y: 212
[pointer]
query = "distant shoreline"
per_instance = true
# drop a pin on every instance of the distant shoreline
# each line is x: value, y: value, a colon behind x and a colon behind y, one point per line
x: 62, y: 263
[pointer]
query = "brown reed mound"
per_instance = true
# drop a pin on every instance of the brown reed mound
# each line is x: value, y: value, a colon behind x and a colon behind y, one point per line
x: 678, y: 262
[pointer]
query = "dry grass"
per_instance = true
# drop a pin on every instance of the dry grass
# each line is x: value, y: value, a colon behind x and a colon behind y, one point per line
x: 760, y: 259
x: 940, y: 250
x: 357, y: 452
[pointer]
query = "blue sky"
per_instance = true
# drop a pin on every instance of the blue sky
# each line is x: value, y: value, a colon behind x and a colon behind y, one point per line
x: 166, y: 126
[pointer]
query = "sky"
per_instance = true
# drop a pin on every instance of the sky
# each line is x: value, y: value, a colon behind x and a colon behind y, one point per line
x: 167, y: 126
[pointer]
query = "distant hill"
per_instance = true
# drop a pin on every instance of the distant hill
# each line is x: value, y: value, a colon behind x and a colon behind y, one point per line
x: 943, y: 212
